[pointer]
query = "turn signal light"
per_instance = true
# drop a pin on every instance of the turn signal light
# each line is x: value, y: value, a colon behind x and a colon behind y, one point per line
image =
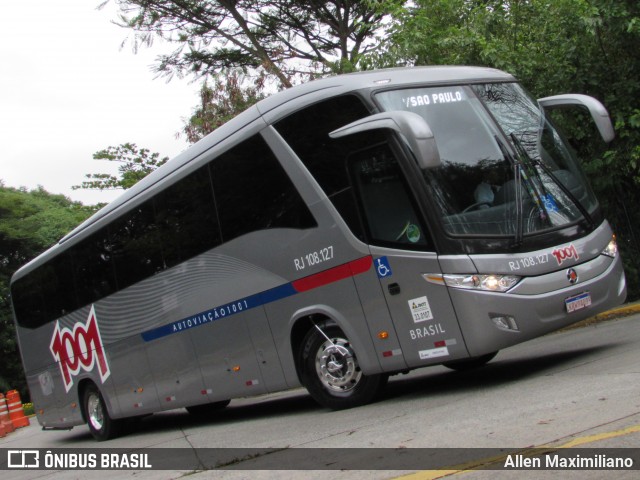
x: 611, y: 249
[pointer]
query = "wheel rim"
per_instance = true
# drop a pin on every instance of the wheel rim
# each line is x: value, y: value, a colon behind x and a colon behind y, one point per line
x: 95, y: 411
x: 336, y: 365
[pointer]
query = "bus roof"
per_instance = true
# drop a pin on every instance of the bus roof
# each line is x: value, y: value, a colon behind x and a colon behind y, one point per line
x: 269, y: 111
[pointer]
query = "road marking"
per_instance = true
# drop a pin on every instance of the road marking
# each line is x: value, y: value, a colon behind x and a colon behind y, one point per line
x: 599, y: 436
x: 533, y: 451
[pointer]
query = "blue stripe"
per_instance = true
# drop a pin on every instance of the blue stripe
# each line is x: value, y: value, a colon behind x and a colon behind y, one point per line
x: 220, y: 312
x: 278, y: 293
x: 334, y: 274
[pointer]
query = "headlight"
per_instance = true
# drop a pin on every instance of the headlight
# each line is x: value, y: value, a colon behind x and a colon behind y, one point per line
x: 490, y: 283
x: 612, y: 248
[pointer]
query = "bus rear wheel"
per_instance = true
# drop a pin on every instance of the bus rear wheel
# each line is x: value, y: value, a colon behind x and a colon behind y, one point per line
x: 331, y: 372
x: 101, y: 425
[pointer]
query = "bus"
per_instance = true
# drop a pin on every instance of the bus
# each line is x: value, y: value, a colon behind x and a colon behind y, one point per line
x: 330, y: 236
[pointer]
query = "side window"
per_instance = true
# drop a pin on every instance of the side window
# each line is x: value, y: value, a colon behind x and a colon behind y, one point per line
x: 27, y: 296
x: 186, y: 218
x: 135, y: 245
x: 58, y: 286
x: 253, y: 192
x: 386, y: 203
x: 93, y: 268
x: 307, y: 132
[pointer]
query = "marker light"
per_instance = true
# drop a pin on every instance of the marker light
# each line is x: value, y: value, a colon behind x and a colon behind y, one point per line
x: 383, y: 335
x: 612, y: 248
x: 433, y: 278
x: 490, y: 283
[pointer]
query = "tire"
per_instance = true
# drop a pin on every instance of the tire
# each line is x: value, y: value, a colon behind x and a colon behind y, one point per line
x: 101, y: 425
x: 331, y: 373
x: 208, y: 408
x: 470, y: 363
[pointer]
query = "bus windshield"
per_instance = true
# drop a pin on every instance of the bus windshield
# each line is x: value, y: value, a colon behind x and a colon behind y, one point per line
x: 506, y: 170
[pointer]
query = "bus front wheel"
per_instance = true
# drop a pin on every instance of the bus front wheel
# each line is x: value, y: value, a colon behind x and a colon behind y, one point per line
x: 101, y: 425
x: 331, y: 372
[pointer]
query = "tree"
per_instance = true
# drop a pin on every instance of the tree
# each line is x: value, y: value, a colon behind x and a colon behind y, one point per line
x: 135, y: 164
x: 273, y: 40
x: 30, y: 222
x: 536, y: 39
x: 282, y: 38
x: 586, y: 46
x: 221, y: 102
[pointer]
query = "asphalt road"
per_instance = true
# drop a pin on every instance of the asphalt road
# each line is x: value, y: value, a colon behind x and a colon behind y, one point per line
x: 578, y: 388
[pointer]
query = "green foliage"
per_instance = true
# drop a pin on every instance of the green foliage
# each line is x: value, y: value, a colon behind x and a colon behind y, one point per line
x: 284, y: 39
x: 135, y: 164
x: 28, y: 409
x: 559, y: 46
x: 227, y: 97
x: 30, y: 222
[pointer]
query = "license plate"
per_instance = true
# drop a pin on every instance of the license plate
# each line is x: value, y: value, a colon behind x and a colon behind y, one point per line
x: 578, y: 302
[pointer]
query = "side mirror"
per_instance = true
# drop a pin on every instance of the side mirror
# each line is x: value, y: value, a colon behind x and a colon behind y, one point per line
x: 412, y: 126
x: 598, y: 112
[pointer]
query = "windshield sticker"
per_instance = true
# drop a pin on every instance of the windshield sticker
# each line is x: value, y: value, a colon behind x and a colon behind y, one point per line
x: 435, y: 98
x: 550, y: 204
x: 420, y: 309
x: 411, y: 231
x: 562, y: 254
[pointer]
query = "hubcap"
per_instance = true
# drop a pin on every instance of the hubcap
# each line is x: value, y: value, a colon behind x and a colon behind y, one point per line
x: 95, y: 412
x: 336, y: 365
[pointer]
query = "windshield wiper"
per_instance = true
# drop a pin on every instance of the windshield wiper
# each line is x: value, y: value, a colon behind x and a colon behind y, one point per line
x: 524, y: 155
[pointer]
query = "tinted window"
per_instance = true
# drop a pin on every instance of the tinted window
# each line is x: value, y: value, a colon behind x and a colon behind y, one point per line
x: 59, y: 287
x: 135, y: 245
x: 28, y: 299
x: 307, y: 132
x: 253, y: 192
x: 388, y: 208
x: 93, y: 268
x: 186, y: 218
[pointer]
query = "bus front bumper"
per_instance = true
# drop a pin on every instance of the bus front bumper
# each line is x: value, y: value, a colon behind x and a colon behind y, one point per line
x: 537, y: 305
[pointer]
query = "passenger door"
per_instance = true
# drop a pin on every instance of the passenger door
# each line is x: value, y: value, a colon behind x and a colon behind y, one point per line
x: 402, y: 252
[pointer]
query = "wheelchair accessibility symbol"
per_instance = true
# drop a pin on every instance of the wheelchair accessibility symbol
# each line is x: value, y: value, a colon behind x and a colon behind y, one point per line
x: 383, y: 268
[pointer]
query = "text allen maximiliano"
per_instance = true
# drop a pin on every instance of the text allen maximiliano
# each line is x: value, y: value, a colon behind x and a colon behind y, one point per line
x: 552, y: 461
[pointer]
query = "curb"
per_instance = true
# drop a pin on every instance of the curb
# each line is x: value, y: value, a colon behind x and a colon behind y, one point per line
x: 623, y: 310
x: 613, y: 314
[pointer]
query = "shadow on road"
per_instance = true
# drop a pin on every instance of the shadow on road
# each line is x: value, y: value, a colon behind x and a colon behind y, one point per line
x: 428, y: 381
x: 494, y: 374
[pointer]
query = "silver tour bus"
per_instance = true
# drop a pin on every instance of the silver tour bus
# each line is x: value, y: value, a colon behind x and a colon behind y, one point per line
x: 331, y: 235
